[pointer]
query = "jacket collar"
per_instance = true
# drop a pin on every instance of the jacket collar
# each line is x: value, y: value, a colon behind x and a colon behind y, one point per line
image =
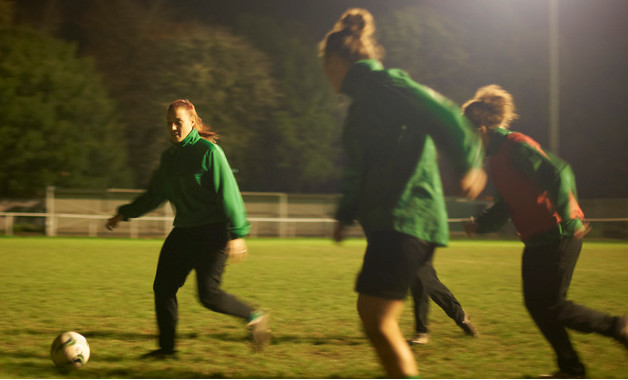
x: 497, y: 135
x: 190, y: 139
x: 354, y: 79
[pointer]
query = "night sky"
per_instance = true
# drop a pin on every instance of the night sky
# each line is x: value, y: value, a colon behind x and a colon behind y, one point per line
x: 593, y: 67
x: 593, y: 37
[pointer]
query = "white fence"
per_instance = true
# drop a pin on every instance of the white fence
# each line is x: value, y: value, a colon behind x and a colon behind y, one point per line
x: 96, y: 223
x: 71, y: 212
x: 66, y: 212
x: 93, y: 225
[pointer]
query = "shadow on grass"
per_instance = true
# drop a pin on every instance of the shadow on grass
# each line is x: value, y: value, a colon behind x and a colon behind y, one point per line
x: 169, y: 373
x: 320, y: 340
x: 111, y: 334
x: 236, y: 336
x: 31, y: 364
x: 282, y: 338
x: 24, y: 355
x: 25, y: 364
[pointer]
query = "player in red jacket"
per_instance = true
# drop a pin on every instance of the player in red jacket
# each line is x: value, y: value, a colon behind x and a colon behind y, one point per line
x: 537, y: 192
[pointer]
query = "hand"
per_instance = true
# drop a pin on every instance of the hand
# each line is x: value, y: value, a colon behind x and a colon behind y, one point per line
x: 586, y: 227
x: 113, y: 222
x: 339, y: 232
x: 236, y: 250
x: 472, y: 184
x: 471, y: 227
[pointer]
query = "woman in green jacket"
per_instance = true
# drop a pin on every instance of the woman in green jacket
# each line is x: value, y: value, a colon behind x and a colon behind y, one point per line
x: 209, y: 225
x: 391, y: 183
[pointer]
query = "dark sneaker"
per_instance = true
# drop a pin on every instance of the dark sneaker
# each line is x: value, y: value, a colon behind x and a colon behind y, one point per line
x: 468, y: 327
x: 260, y: 328
x: 420, y: 338
x: 562, y: 375
x: 160, y: 354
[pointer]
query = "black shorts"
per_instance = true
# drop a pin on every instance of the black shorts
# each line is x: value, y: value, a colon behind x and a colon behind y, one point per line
x: 391, y: 261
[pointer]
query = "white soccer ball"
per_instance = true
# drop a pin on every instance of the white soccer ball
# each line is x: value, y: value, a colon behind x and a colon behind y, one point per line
x: 69, y: 350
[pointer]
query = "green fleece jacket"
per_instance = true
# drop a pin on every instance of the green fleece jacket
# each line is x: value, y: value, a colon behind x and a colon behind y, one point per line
x: 196, y: 178
x: 391, y: 181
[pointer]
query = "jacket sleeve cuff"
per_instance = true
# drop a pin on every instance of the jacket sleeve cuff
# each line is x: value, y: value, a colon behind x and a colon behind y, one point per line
x: 572, y: 226
x: 240, y: 232
x: 346, y: 220
x: 124, y: 212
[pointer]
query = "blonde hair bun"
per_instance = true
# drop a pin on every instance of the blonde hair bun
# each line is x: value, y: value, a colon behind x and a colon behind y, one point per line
x: 352, y: 37
x: 491, y: 106
x: 357, y: 21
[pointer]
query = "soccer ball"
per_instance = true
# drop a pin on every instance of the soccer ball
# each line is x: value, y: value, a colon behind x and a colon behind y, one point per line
x: 69, y: 350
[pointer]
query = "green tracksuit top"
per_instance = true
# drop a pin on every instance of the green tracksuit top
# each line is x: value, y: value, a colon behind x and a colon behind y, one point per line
x: 391, y: 180
x: 196, y: 178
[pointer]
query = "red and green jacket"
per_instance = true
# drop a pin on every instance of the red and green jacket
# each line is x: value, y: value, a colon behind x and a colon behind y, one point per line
x: 196, y: 178
x: 536, y: 190
x: 391, y: 180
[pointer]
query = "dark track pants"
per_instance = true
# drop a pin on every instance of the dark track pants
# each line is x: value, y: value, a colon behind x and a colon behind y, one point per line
x: 426, y: 285
x: 202, y: 249
x: 547, y: 272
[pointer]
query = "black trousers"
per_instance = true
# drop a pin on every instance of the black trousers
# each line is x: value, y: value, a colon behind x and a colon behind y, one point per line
x: 202, y: 249
x: 547, y: 272
x: 426, y: 285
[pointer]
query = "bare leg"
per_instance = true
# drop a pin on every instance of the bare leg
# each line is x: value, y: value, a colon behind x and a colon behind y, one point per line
x: 380, y: 320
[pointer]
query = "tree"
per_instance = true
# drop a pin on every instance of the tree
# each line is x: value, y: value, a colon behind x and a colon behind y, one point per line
x: 7, y: 12
x: 57, y: 122
x: 427, y: 45
x: 306, y: 125
x: 150, y: 60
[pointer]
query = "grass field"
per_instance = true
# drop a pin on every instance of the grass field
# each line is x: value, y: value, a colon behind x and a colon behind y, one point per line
x: 102, y: 288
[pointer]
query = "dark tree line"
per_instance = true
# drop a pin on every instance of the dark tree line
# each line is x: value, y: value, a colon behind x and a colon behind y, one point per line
x: 277, y: 120
x: 84, y: 85
x: 58, y: 125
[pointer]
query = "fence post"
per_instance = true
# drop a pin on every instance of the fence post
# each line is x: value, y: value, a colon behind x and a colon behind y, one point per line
x: 51, y: 228
x: 8, y: 225
x: 167, y: 212
x: 93, y: 227
x: 134, y: 228
x: 253, y: 232
x: 283, y: 214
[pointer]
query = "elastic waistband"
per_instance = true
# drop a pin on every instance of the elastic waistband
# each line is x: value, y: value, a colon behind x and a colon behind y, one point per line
x: 203, y: 227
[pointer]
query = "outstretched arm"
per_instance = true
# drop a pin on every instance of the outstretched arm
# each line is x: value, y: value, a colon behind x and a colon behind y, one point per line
x: 453, y: 134
x: 489, y: 220
x: 150, y: 199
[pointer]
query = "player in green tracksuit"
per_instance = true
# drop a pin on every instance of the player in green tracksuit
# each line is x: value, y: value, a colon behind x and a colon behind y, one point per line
x: 391, y: 183
x: 209, y: 225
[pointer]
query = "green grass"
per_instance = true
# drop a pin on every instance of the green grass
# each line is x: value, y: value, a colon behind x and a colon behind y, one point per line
x: 102, y: 288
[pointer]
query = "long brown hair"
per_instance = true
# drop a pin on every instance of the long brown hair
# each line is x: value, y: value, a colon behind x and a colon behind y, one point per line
x: 204, y: 130
x: 492, y: 107
x: 352, y: 37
